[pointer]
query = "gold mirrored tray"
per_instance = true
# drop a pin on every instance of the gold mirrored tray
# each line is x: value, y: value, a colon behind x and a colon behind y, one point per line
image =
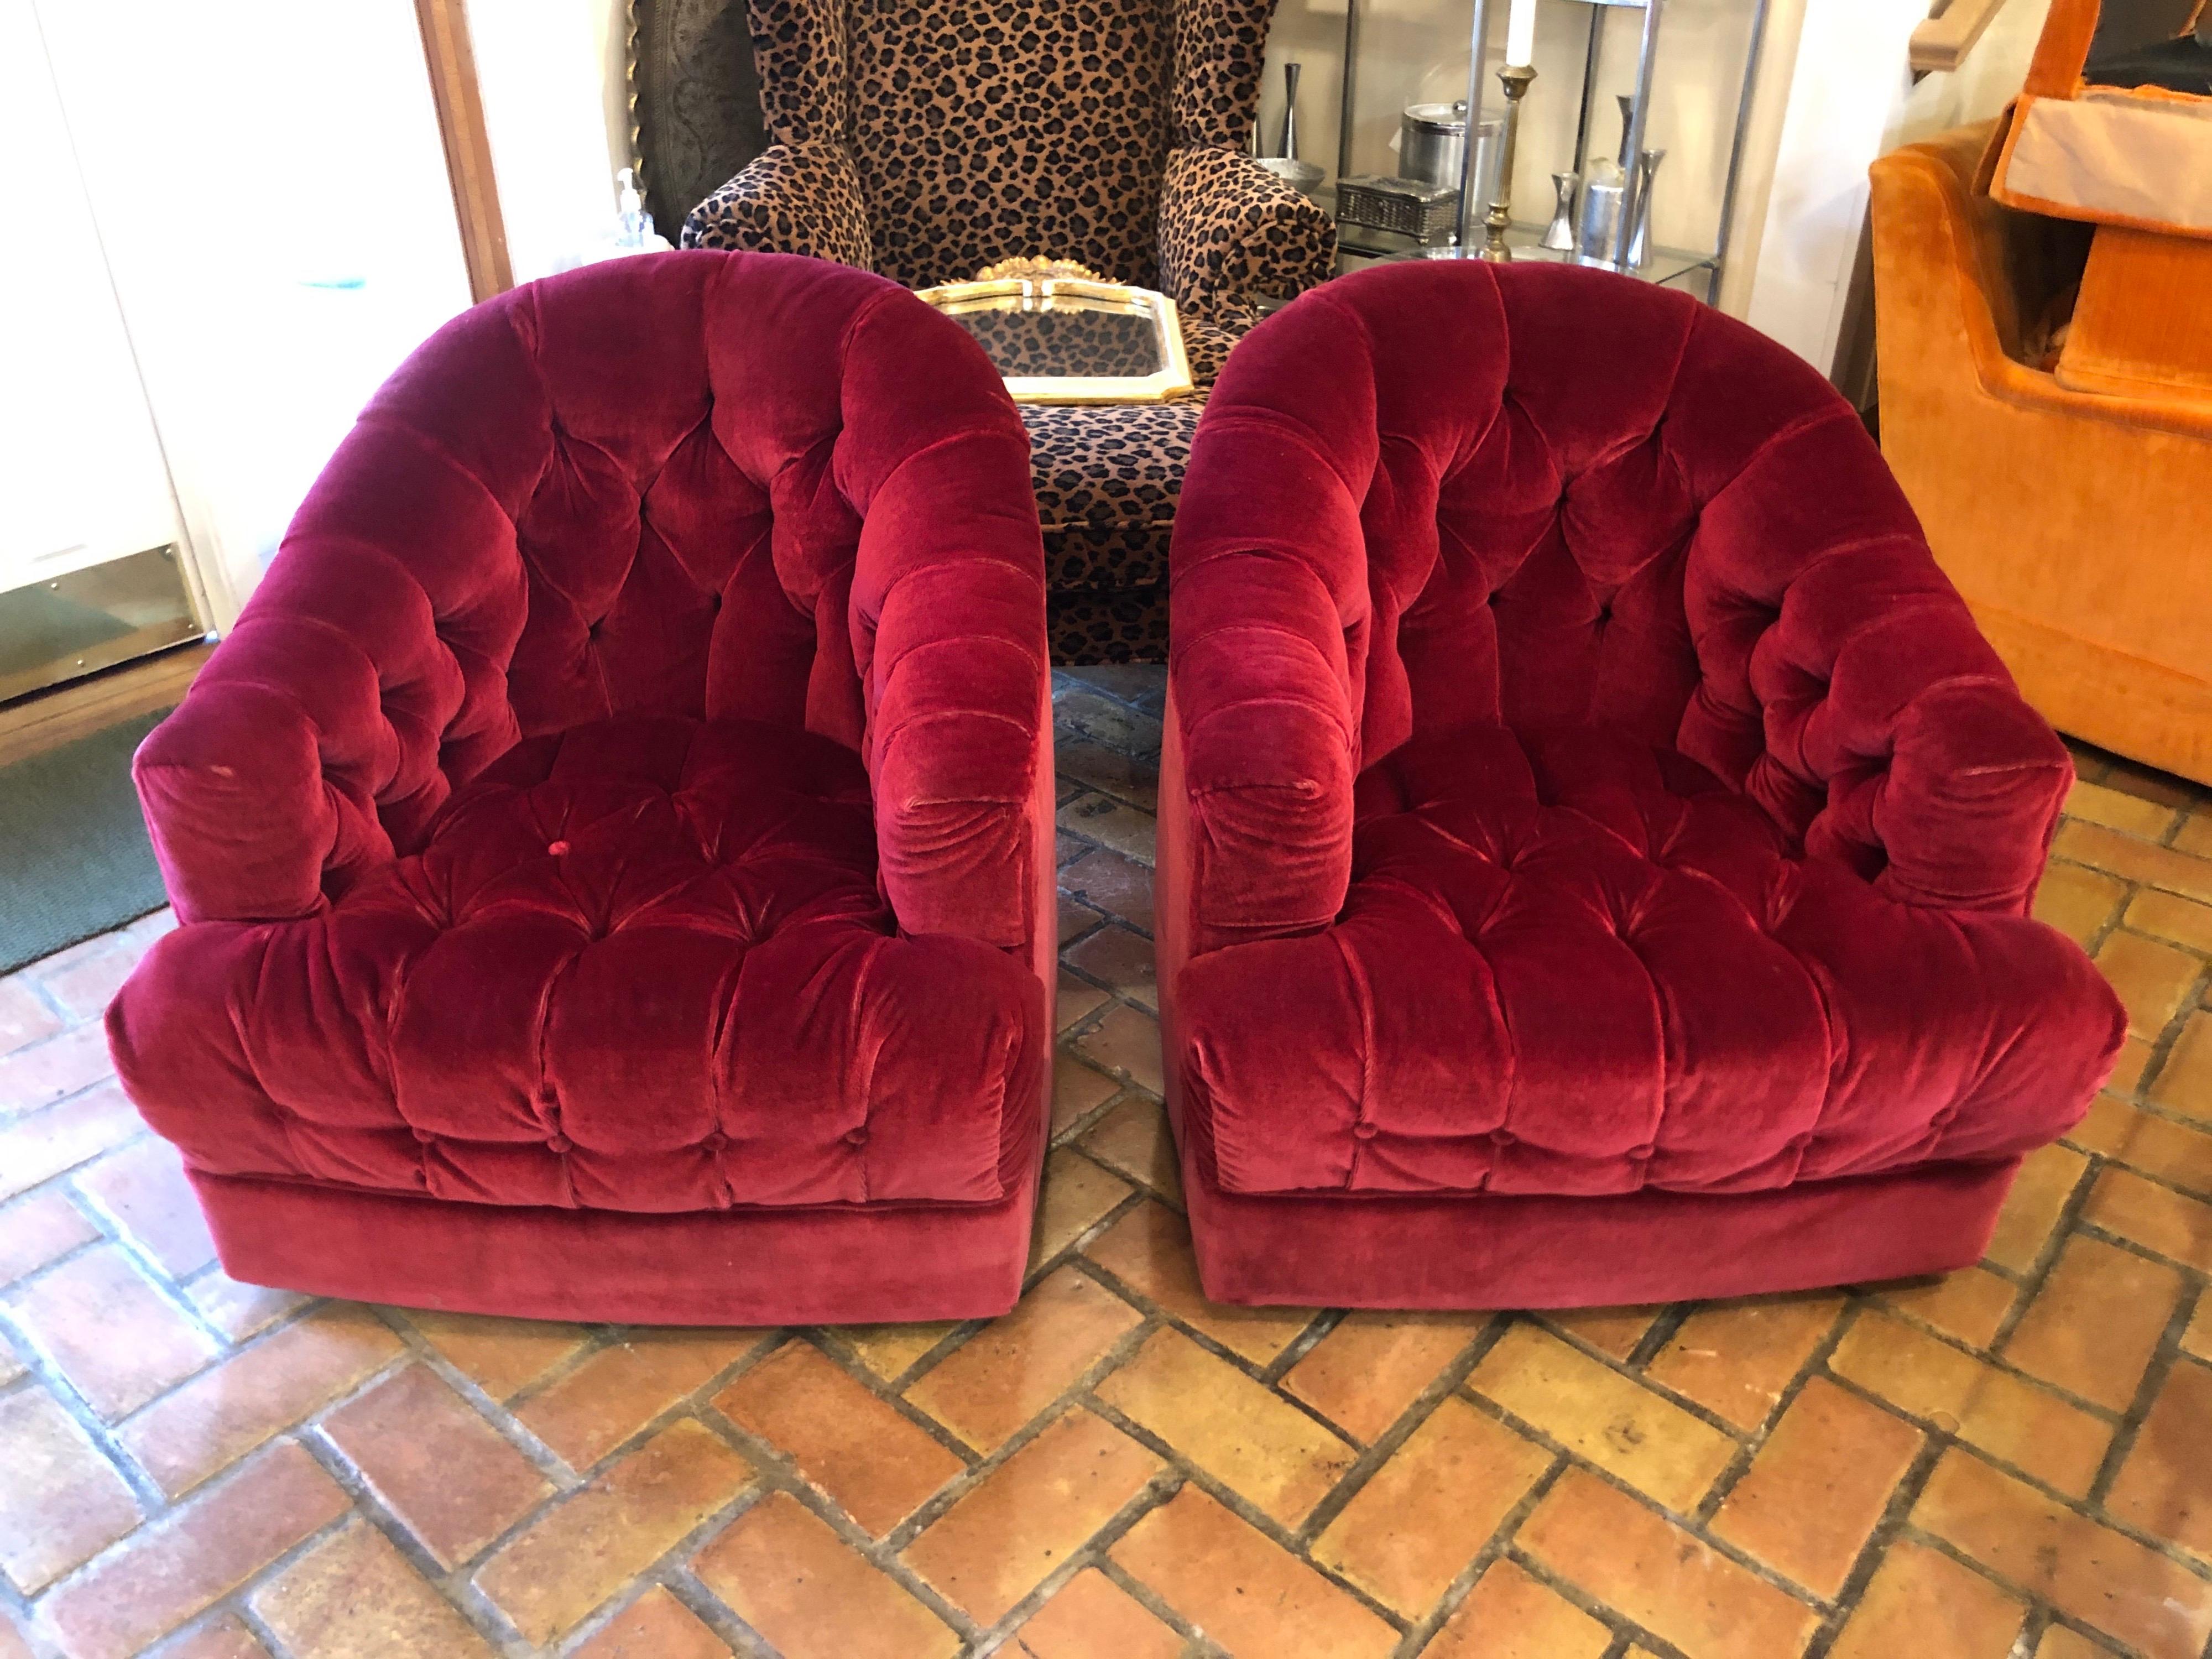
x: 1060, y: 335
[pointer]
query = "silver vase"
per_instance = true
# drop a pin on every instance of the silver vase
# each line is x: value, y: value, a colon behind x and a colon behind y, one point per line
x: 1639, y: 237
x: 1559, y: 234
x: 1289, y: 152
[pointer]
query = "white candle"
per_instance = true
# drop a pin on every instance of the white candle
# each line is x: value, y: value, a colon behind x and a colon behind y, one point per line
x: 1521, y: 33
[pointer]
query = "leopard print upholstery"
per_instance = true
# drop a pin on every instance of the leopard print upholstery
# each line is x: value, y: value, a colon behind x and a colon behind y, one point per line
x: 927, y: 138
x: 790, y: 198
x: 1230, y: 230
x: 1115, y: 345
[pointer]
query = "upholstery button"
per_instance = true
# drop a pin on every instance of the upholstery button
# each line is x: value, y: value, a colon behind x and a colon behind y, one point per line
x: 715, y: 1141
x: 1503, y: 1137
x: 426, y: 1136
x: 559, y: 1144
x: 1365, y: 1131
x: 856, y: 1137
x: 555, y: 849
x: 1643, y: 1154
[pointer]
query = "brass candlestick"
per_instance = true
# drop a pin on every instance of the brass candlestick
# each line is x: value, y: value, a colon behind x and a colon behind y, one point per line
x: 1515, y: 78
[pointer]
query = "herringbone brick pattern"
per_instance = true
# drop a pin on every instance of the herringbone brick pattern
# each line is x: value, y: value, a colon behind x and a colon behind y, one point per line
x: 2015, y: 1461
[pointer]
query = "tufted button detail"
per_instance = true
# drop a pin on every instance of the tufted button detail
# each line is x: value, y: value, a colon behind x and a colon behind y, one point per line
x: 426, y: 1136
x: 422, y: 1178
x: 560, y: 1144
x: 1503, y: 1138
x: 1798, y: 1143
x: 856, y: 1137
x: 1643, y: 1154
x: 555, y: 849
x: 1364, y: 1130
x: 715, y: 1141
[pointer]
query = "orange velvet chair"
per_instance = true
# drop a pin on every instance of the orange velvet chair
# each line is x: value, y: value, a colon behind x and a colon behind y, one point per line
x: 2077, y: 523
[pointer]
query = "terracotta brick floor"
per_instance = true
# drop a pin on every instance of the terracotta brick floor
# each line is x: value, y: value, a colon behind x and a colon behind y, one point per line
x: 2015, y: 1461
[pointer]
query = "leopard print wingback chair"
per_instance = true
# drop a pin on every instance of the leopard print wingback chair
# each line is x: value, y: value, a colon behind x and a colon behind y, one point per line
x: 925, y: 139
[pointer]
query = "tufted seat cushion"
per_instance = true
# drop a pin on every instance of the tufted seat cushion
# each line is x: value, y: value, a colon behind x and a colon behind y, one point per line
x: 640, y: 965
x: 1595, y: 843
x: 1571, y: 963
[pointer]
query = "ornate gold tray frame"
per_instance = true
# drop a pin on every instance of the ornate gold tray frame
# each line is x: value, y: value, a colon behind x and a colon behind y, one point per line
x: 1035, y: 291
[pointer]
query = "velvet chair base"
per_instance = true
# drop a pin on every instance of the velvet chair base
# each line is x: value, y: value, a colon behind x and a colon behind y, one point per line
x: 868, y: 1265
x: 1574, y: 1252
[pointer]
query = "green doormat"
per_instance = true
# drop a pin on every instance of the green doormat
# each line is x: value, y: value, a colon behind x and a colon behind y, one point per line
x: 74, y: 857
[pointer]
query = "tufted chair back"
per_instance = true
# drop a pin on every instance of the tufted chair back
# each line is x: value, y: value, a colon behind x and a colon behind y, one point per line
x: 673, y: 485
x: 984, y: 129
x: 1544, y: 498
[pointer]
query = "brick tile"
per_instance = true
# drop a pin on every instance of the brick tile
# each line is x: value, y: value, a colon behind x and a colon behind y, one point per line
x: 1614, y: 1331
x: 618, y: 1390
x: 1243, y: 1434
x: 1511, y: 1614
x: 1811, y: 1498
x: 2153, y: 978
x: 33, y: 1232
x: 1735, y: 1358
x: 1366, y: 1372
x: 25, y: 1018
x: 446, y: 1473
x: 2078, y: 902
x: 548, y: 1579
x: 888, y: 1349
x: 2157, y: 1218
x: 1078, y: 1196
x: 192, y: 1557
x: 654, y: 1627
x: 1031, y: 1514
x: 1595, y: 1411
x: 2129, y: 1070
x: 41, y: 1145
x: 1134, y: 1138
x: 1970, y: 1304
x: 1119, y: 960
x: 1240, y: 1589
x: 1112, y: 824
x: 1113, y: 774
x: 2086, y: 1571
x: 2165, y: 1487
x: 1127, y: 1042
x: 2184, y: 1083
x: 2196, y: 834
x: 2150, y: 784
x: 218, y: 1417
x: 1120, y: 729
x: 1120, y: 886
x: 2179, y: 920
x: 2047, y: 1178
x: 61, y: 1501
x: 46, y: 1071
x: 1014, y: 1367
x: 1628, y: 1557
x: 14, y: 1644
x: 502, y: 1356
x: 2060, y: 1642
x: 2092, y: 1328
x: 238, y: 1310
x: 1985, y: 1406
x: 1077, y: 1090
x: 142, y: 1190
x: 353, y: 1596
x: 2096, y: 803
x: 786, y: 1574
x: 1148, y: 1249
x: 1076, y: 1001
x: 1920, y: 1600
x: 2135, y: 860
x: 85, y: 986
x: 219, y: 1638
x: 872, y: 1462
x: 1425, y: 1514
x: 2197, y: 1339
x: 110, y: 1332
x: 1075, y: 919
x: 1091, y: 1616
x: 2168, y: 1151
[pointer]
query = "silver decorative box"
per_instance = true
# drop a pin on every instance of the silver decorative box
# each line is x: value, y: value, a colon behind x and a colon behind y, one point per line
x: 1375, y: 210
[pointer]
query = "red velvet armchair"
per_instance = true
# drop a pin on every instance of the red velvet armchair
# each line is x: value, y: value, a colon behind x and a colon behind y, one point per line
x: 614, y: 847
x: 1595, y: 842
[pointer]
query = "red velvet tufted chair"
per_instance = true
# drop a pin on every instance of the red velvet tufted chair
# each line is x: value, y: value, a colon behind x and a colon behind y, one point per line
x: 1595, y: 842
x: 614, y: 847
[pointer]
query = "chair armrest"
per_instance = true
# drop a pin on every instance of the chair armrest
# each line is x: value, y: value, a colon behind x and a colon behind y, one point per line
x: 802, y: 198
x: 1231, y: 232
x: 947, y: 619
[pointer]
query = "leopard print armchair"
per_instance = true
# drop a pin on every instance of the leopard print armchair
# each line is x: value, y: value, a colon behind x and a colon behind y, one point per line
x: 925, y: 139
